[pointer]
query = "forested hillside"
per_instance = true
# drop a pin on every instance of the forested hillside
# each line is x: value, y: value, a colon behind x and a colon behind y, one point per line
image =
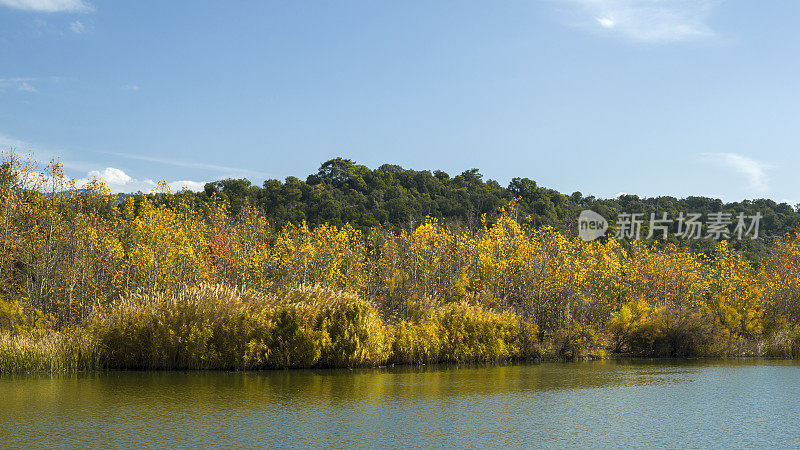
x: 343, y: 191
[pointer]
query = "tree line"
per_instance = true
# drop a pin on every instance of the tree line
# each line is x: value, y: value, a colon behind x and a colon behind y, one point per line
x: 344, y: 192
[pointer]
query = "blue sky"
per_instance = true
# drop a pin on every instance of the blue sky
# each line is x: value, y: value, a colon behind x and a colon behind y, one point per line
x: 648, y: 97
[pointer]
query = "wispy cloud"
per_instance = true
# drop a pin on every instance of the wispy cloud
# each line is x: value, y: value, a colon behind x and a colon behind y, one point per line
x: 24, y: 86
x: 8, y: 143
x: 130, y: 87
x: 27, y: 84
x: 232, y: 171
x: 77, y: 27
x: 754, y: 171
x: 119, y: 181
x: 48, y: 5
x: 646, y: 20
x: 41, y: 153
x: 17, y: 83
x: 116, y: 179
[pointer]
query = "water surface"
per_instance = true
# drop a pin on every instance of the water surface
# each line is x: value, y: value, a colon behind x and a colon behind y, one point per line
x: 597, y: 404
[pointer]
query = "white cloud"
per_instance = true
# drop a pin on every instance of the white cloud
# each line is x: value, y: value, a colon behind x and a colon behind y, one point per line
x: 48, y: 5
x: 647, y: 20
x: 754, y: 171
x: 119, y: 181
x: 606, y: 22
x: 77, y: 27
x: 131, y: 87
x: 111, y: 176
x: 194, y: 186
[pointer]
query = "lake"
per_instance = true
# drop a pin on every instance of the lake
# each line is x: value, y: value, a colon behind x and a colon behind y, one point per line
x: 597, y: 404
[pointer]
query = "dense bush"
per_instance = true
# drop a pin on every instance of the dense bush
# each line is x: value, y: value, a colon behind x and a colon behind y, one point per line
x: 204, y: 327
x: 70, y: 351
x: 210, y: 327
x: 643, y: 329
x: 458, y: 332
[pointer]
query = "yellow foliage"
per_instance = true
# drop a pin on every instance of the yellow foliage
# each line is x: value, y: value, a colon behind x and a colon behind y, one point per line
x: 489, y: 293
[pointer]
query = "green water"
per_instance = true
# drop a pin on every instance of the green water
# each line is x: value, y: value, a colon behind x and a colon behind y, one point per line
x: 597, y: 404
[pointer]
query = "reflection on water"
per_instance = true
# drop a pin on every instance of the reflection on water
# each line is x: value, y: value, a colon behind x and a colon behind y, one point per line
x: 674, y: 404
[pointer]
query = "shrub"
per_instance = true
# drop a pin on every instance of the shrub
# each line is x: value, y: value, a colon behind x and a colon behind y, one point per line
x: 210, y: 327
x: 12, y: 316
x: 48, y: 352
x: 356, y: 335
x: 783, y: 344
x: 530, y: 346
x: 416, y: 343
x: 458, y: 332
x: 577, y: 342
x: 669, y: 331
x: 198, y: 328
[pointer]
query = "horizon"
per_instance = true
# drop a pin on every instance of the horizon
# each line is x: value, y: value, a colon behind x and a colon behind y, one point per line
x: 178, y: 186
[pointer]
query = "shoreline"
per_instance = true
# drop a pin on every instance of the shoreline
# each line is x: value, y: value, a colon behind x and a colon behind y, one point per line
x: 612, y: 358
